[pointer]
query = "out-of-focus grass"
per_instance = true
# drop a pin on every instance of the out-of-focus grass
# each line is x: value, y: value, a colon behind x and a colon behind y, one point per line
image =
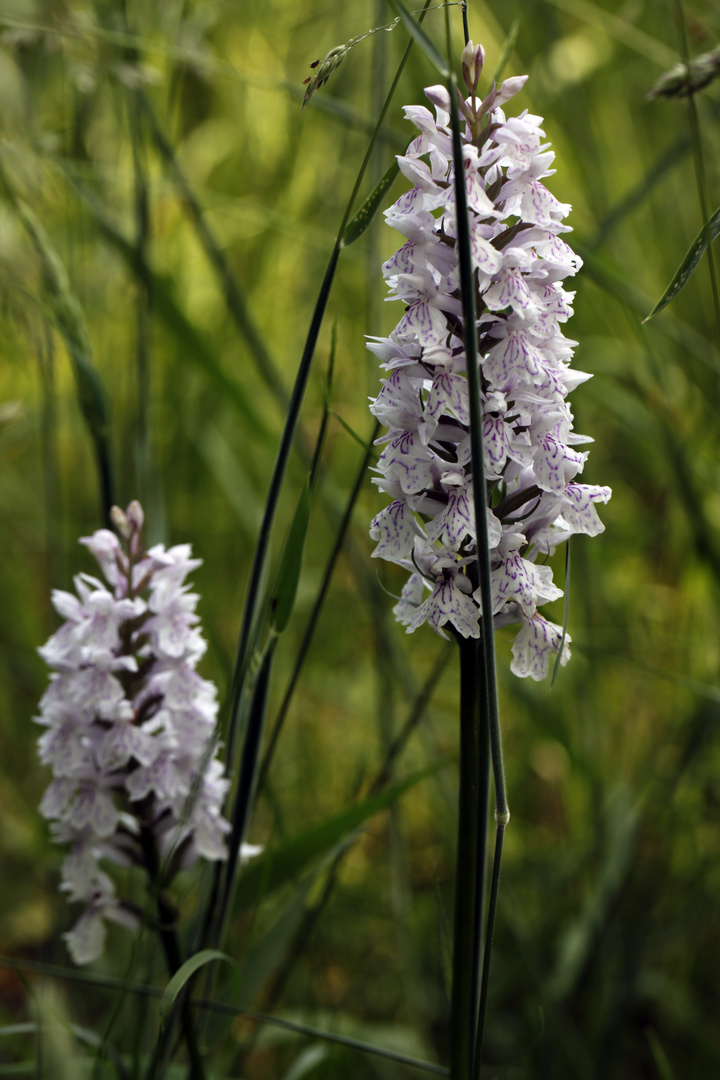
x: 608, y: 916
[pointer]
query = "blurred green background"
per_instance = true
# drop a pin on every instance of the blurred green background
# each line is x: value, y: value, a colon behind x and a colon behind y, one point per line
x: 193, y: 205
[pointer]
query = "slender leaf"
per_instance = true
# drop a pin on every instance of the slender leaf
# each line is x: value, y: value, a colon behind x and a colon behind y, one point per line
x: 420, y: 37
x: 285, y: 862
x: 689, y: 264
x: 361, y: 221
x: 184, y: 974
x: 283, y: 598
x: 264, y: 955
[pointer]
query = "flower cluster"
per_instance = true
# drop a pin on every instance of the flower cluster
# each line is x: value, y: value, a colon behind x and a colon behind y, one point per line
x: 531, y: 464
x: 130, y: 727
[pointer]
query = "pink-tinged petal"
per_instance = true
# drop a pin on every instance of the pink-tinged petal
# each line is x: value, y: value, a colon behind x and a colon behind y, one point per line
x: 456, y: 520
x: 406, y: 460
x: 448, y: 603
x: 449, y: 394
x: 67, y: 605
x: 57, y: 798
x: 555, y: 464
x: 581, y: 515
x: 395, y: 529
x: 509, y: 88
x: 410, y: 599
x: 533, y: 647
x: 523, y: 582
x: 425, y: 322
x: 511, y: 291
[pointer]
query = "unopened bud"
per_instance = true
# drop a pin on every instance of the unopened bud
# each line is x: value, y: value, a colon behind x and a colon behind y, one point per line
x: 473, y: 58
x: 135, y: 516
x: 120, y: 521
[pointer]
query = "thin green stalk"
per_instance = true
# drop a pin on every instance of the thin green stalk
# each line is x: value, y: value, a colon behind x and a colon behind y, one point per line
x: 167, y: 932
x: 488, y: 698
x: 473, y: 793
x: 487, y: 951
x: 247, y: 775
x: 467, y: 285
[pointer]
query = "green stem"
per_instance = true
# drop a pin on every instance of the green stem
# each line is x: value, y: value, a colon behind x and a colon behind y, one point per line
x: 488, y: 697
x: 173, y: 957
x: 487, y: 951
x: 167, y: 932
x: 473, y: 793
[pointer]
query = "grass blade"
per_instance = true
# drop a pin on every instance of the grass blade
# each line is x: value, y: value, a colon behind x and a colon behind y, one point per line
x: 282, y: 864
x: 283, y: 597
x: 418, y: 35
x: 689, y: 264
x: 184, y: 974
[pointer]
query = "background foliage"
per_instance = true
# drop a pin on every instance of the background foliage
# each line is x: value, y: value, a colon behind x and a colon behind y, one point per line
x: 193, y: 205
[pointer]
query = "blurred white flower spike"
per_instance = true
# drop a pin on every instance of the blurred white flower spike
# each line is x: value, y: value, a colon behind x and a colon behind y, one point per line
x: 130, y: 727
x: 531, y: 464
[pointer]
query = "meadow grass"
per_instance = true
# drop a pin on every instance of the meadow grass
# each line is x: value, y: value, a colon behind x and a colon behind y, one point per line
x: 167, y: 215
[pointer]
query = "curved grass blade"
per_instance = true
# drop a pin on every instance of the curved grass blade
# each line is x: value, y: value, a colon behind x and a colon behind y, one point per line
x: 106, y: 982
x: 508, y: 46
x: 234, y: 297
x: 317, y: 607
x: 662, y: 1062
x: 689, y: 264
x: 184, y: 974
x: 283, y: 598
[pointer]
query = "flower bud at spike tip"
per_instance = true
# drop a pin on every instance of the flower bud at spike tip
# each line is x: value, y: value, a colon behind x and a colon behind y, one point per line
x: 135, y: 516
x: 473, y: 58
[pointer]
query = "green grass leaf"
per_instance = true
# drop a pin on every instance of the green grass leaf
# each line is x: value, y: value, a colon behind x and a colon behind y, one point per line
x: 420, y: 37
x: 689, y: 264
x: 285, y: 862
x: 186, y: 972
x: 362, y: 219
x: 283, y: 598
